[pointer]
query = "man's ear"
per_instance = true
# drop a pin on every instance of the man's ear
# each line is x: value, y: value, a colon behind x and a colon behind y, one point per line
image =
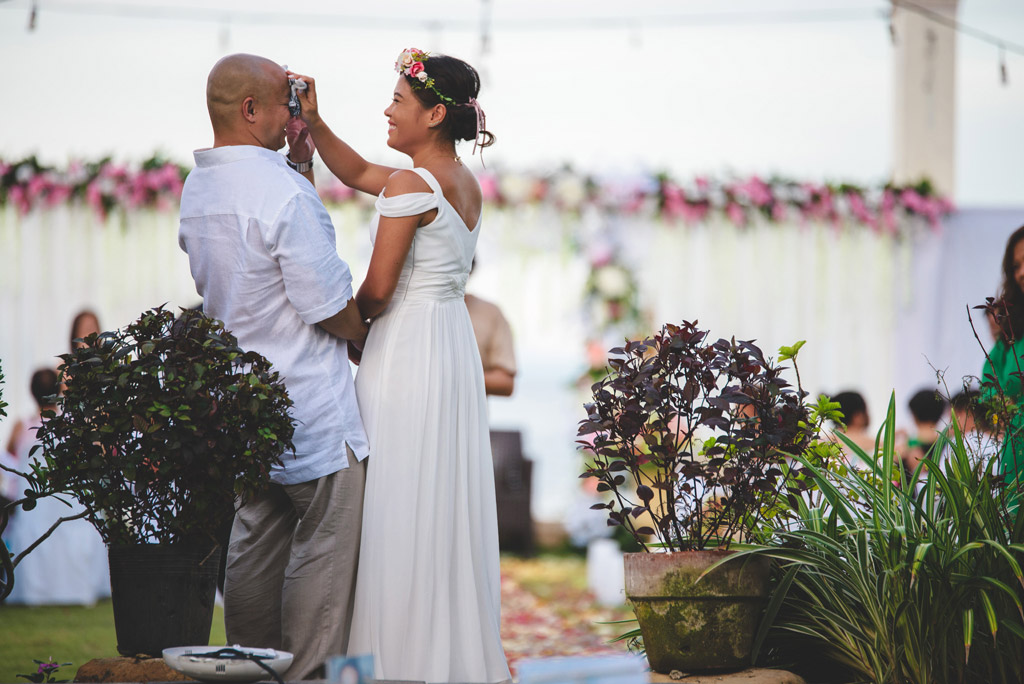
x: 249, y: 109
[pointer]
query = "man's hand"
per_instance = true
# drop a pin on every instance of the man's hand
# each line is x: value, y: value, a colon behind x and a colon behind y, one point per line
x: 355, y: 354
x: 300, y: 144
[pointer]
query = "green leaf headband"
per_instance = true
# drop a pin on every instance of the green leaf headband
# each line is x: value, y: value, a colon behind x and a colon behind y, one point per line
x: 410, y: 63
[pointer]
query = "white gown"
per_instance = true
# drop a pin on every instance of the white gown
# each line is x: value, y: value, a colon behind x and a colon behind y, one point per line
x: 428, y: 592
x: 70, y: 567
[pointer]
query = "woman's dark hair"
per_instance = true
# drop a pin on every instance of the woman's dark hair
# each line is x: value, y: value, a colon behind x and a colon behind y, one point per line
x: 82, y: 315
x: 1010, y: 291
x: 851, y: 403
x: 457, y: 81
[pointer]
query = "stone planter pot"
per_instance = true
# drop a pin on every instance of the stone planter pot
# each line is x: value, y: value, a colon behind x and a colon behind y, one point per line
x: 162, y: 596
x: 693, y: 626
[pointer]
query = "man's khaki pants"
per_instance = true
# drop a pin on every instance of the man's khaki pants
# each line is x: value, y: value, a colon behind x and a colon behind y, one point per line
x: 291, y: 568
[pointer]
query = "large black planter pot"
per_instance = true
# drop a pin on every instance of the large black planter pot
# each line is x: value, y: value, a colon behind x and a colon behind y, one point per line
x: 696, y: 626
x: 162, y: 595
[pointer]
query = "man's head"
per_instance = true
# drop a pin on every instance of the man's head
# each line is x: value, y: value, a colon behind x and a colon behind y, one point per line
x: 927, y: 407
x: 247, y: 97
x: 969, y: 411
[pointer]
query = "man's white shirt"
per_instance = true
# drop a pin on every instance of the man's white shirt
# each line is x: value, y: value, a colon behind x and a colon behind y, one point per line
x: 261, y: 249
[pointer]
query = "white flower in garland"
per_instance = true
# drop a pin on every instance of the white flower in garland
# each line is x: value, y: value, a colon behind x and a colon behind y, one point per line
x: 613, y: 282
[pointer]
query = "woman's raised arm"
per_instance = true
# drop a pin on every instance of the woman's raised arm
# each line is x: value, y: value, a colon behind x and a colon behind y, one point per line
x: 343, y: 161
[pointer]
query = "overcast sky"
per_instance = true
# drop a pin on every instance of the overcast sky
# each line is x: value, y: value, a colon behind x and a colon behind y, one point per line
x: 797, y: 87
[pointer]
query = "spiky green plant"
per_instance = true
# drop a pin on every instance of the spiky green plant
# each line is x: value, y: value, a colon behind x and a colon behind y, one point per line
x: 894, y: 583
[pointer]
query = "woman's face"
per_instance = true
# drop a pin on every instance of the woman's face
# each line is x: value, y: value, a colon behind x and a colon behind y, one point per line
x: 407, y: 118
x: 1018, y: 264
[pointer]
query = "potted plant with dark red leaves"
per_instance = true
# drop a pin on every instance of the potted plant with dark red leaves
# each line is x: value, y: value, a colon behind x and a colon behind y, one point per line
x: 693, y: 441
x: 162, y: 427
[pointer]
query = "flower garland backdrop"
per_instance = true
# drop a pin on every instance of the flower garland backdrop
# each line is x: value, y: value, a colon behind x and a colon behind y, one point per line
x: 156, y: 183
x: 575, y: 261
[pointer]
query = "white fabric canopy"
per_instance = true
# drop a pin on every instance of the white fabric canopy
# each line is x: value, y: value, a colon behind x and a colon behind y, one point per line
x: 874, y: 309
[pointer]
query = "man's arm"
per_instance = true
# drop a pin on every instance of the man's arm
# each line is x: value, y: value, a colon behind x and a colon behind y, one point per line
x: 347, y: 324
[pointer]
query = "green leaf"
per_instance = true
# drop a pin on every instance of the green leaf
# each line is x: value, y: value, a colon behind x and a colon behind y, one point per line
x: 789, y: 353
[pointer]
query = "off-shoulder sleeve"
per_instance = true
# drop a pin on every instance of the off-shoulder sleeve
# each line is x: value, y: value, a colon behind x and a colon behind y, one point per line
x: 409, y: 204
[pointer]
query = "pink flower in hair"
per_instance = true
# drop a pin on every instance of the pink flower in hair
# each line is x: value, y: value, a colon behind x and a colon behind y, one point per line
x: 416, y: 68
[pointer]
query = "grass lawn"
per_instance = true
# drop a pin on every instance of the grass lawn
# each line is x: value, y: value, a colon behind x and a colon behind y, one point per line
x: 74, y: 634
x: 546, y: 610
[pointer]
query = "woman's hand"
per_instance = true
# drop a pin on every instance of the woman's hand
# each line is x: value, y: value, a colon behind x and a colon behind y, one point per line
x: 307, y: 99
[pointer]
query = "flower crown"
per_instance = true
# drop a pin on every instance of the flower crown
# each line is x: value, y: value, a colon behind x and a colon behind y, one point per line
x: 410, y: 63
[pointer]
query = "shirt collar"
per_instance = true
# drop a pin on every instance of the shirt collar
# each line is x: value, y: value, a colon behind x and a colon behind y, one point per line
x: 215, y: 156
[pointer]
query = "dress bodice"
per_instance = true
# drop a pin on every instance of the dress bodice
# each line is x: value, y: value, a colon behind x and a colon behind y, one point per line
x: 441, y: 254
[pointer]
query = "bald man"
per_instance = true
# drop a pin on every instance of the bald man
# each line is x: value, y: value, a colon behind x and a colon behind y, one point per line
x: 261, y: 249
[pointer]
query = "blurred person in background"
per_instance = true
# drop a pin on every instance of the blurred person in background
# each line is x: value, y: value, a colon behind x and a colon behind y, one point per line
x: 494, y: 340
x: 70, y: 566
x: 85, y: 323
x: 1000, y: 376
x: 979, y: 437
x: 928, y: 408
x: 855, y: 426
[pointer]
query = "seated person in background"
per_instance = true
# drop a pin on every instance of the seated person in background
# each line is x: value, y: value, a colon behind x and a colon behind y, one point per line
x: 856, y: 419
x: 70, y: 566
x: 494, y: 339
x: 927, y: 407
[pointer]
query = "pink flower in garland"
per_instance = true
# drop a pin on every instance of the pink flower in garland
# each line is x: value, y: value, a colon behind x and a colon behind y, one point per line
x: 674, y: 203
x: 736, y: 214
x: 887, y: 211
x: 336, y: 191
x: 58, y: 195
x: 489, y: 187
x: 19, y: 198
x: 755, y: 190
x: 860, y: 210
x: 779, y: 212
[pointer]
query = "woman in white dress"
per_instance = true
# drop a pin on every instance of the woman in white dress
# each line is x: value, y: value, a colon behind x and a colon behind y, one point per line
x: 428, y: 589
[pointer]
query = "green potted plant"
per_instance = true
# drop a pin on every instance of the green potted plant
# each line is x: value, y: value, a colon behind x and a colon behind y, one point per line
x: 162, y: 426
x: 694, y: 441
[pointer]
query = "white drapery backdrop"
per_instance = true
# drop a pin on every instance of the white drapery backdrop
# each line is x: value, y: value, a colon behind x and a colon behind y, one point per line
x: 877, y: 311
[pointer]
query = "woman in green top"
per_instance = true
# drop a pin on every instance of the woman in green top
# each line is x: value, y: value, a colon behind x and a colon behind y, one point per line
x: 1002, y: 372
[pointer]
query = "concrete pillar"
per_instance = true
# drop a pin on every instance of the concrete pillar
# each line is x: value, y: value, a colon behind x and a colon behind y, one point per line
x: 925, y: 102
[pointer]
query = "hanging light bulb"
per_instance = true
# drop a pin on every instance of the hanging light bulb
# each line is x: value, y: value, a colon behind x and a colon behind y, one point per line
x: 1003, y: 75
